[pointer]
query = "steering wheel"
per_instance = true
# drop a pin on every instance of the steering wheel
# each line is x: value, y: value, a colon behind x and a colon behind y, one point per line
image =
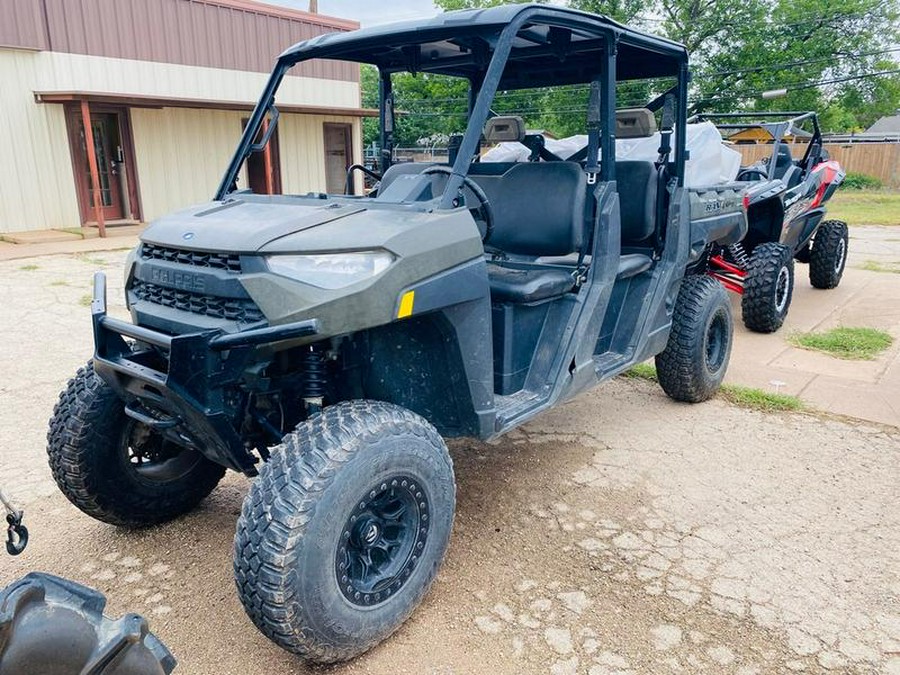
x: 751, y: 171
x: 483, y: 212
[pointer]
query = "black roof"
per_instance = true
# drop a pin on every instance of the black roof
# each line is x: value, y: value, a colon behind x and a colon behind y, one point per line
x: 556, y: 45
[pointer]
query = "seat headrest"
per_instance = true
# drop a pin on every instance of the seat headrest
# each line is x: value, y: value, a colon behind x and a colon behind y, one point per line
x: 635, y: 123
x: 505, y: 129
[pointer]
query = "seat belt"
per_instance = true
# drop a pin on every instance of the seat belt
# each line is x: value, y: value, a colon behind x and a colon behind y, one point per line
x: 591, y: 170
x: 662, y: 166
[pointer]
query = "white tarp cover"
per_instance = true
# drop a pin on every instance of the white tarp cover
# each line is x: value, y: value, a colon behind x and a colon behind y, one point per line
x: 711, y: 162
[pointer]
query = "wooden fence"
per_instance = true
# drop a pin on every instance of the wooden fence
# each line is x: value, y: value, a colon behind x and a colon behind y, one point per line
x: 881, y: 160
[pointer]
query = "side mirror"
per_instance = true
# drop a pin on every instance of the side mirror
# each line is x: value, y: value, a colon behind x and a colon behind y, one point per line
x: 668, y: 113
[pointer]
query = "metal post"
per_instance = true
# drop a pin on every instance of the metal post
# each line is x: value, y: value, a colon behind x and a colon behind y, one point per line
x: 92, y: 163
x: 267, y: 159
x: 684, y: 79
x: 386, y: 122
x: 608, y: 110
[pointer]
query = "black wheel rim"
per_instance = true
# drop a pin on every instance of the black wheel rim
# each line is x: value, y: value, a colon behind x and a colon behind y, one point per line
x: 150, y: 457
x: 382, y: 540
x: 716, y: 342
x: 782, y: 289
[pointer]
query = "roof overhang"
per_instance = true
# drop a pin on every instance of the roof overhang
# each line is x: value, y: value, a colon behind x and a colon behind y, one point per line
x: 142, y: 101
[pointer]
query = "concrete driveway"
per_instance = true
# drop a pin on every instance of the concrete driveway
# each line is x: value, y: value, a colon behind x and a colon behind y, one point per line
x: 621, y: 532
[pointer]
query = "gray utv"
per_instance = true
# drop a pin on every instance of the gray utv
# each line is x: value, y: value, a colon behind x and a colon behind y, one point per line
x: 327, y: 343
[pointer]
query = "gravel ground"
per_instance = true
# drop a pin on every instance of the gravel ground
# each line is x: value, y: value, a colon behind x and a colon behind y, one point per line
x: 620, y: 533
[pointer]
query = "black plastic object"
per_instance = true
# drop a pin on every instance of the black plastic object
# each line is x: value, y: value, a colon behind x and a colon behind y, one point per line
x: 16, y: 534
x: 51, y: 626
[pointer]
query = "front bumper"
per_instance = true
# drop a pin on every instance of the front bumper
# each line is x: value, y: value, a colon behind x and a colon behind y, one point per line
x: 177, y: 384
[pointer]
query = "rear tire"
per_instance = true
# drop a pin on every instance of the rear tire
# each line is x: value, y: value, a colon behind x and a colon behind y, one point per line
x: 344, y: 530
x: 115, y: 469
x: 768, y: 288
x: 693, y: 365
x: 828, y: 256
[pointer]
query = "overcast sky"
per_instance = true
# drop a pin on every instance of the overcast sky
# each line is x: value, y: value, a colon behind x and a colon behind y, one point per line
x: 367, y: 12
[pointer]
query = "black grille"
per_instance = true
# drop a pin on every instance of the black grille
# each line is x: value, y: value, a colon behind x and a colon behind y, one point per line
x: 230, y: 262
x: 231, y: 309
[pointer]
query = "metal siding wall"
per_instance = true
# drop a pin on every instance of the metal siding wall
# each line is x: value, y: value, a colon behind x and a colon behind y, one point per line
x: 302, y: 149
x: 185, y: 32
x: 76, y: 72
x: 22, y: 24
x: 181, y: 155
x: 37, y: 185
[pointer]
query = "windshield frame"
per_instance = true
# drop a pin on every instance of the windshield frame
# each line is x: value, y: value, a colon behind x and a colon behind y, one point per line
x: 482, y: 93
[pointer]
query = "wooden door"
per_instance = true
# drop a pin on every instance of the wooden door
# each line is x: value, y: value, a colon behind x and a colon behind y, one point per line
x: 259, y: 164
x: 338, y: 157
x: 110, y: 153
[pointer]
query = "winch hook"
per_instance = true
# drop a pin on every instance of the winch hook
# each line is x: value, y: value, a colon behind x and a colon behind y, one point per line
x: 16, y: 532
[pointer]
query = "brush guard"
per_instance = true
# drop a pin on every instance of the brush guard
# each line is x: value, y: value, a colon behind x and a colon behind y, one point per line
x: 185, y: 400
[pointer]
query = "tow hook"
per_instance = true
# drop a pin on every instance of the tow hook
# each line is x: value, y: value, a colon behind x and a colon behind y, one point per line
x: 16, y: 532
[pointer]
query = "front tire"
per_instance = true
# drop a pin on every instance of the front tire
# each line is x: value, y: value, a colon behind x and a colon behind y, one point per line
x: 768, y: 288
x: 115, y: 469
x: 693, y: 365
x: 344, y: 530
x: 828, y: 256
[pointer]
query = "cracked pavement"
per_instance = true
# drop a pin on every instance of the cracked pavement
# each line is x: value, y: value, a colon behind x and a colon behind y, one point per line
x: 619, y: 533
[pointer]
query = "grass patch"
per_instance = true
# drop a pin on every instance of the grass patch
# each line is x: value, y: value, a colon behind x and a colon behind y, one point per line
x: 875, y: 266
x: 73, y: 230
x: 642, y: 371
x: 85, y: 300
x: 59, y: 282
x: 745, y: 397
x: 757, y: 399
x: 865, y: 207
x: 29, y: 268
x: 97, y: 262
x: 860, y: 344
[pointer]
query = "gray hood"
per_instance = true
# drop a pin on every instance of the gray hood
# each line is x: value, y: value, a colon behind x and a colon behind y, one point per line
x: 243, y: 226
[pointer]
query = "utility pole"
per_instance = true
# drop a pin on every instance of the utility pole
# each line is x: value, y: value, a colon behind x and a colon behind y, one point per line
x: 314, y: 6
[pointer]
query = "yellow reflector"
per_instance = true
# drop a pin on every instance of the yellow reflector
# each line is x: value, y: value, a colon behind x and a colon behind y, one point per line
x: 406, y: 305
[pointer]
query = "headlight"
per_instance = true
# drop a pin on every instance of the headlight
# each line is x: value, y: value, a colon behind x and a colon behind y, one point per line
x: 331, y: 270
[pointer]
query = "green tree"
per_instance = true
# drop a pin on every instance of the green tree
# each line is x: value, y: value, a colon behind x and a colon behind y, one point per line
x: 739, y: 49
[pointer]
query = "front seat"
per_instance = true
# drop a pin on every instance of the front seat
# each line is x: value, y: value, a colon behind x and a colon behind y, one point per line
x: 538, y: 210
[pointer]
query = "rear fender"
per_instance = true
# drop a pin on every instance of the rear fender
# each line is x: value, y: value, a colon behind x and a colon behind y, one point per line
x: 718, y: 214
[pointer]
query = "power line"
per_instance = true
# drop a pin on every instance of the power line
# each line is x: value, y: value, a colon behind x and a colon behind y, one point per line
x: 778, y: 66
x: 529, y: 94
x: 694, y: 100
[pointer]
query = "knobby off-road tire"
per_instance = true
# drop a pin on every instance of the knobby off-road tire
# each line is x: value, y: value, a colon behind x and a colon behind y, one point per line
x: 693, y: 365
x: 314, y: 512
x: 94, y: 450
x: 828, y: 256
x: 768, y: 288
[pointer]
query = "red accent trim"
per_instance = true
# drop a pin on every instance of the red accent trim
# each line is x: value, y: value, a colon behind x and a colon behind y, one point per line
x: 727, y: 266
x: 730, y: 285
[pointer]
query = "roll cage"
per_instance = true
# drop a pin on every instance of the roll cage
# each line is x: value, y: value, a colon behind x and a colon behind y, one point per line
x: 496, y: 49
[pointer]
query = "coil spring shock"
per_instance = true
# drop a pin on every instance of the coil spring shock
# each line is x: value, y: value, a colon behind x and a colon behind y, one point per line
x: 313, y: 379
x: 739, y: 254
